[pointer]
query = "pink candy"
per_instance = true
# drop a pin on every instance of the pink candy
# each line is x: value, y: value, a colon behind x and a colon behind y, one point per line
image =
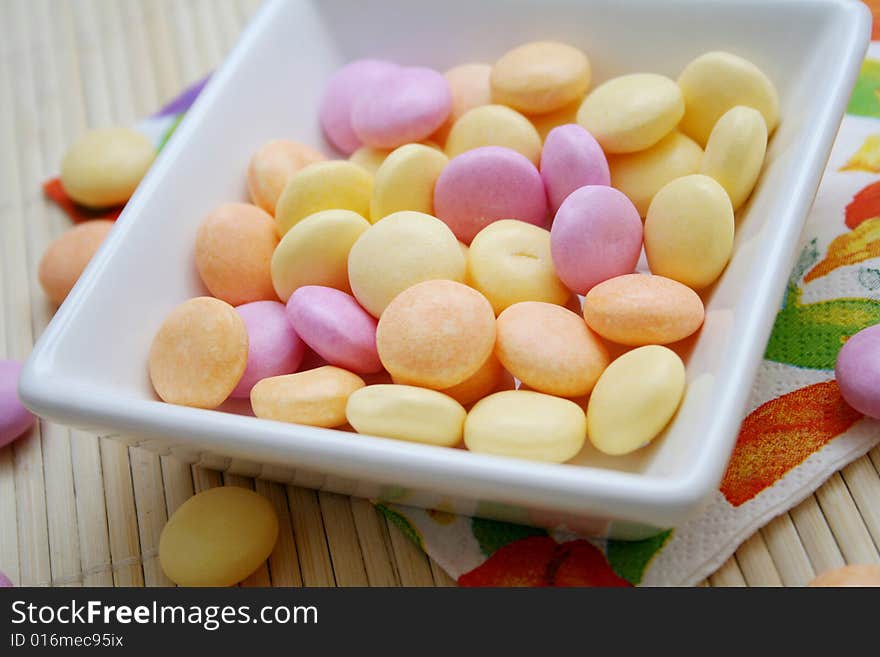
x: 596, y: 235
x: 15, y: 419
x: 571, y: 159
x: 274, y: 348
x: 487, y: 184
x: 858, y: 371
x: 336, y: 327
x: 5, y: 582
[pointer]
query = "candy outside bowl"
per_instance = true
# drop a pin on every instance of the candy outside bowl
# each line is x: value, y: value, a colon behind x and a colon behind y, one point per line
x: 89, y: 368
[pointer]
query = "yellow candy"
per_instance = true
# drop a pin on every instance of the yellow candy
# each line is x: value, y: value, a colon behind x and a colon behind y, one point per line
x: 715, y: 82
x: 399, y: 251
x: 526, y: 425
x: 641, y: 175
x: 632, y: 112
x: 315, y: 252
x: 735, y: 152
x: 405, y: 181
x: 369, y: 158
x: 689, y: 231
x: 509, y: 261
x: 544, y: 123
x: 104, y: 166
x: 406, y: 413
x: 218, y: 537
x: 315, y: 397
x: 469, y: 84
x: 634, y: 399
x: 540, y: 77
x: 494, y: 125
x: 334, y: 185
x: 273, y: 165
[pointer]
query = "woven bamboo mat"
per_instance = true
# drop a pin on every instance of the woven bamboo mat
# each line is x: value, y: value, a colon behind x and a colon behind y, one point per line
x: 76, y: 509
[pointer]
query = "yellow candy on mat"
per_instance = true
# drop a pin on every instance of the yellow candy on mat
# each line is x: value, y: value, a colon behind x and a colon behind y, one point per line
x: 218, y: 537
x: 398, y: 251
x: 315, y: 397
x: 634, y: 399
x: 689, y: 231
x: 494, y: 125
x: 509, y: 261
x: 405, y: 181
x: 469, y: 84
x: 369, y: 158
x: 333, y: 185
x: 272, y: 166
x: 315, y: 252
x: 716, y: 81
x: 632, y: 112
x: 641, y: 175
x: 199, y: 353
x: 540, y: 77
x: 735, y: 152
x: 406, y: 413
x: 526, y: 425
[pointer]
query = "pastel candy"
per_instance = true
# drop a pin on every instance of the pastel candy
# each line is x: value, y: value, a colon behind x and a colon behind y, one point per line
x: 334, y: 325
x: 851, y: 575
x: 641, y: 309
x: 550, y: 349
x: 315, y: 397
x: 634, y: 399
x: 469, y: 85
x: 487, y: 184
x: 494, y: 125
x: 545, y: 123
x: 315, y: 252
x: 234, y: 247
x: 398, y: 251
x: 68, y: 255
x: 405, y: 181
x: 411, y: 104
x: 641, y: 175
x: 362, y: 76
x: 369, y: 158
x: 436, y: 334
x: 406, y: 413
x: 858, y: 371
x: 571, y: 159
x: 596, y: 235
x: 526, y: 425
x: 199, y: 353
x: 15, y: 419
x: 632, y: 112
x: 490, y: 377
x: 274, y: 348
x: 5, y: 582
x: 273, y: 165
x: 689, y: 231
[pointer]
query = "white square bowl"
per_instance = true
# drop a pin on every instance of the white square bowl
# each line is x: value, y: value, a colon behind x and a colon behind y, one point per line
x: 89, y: 367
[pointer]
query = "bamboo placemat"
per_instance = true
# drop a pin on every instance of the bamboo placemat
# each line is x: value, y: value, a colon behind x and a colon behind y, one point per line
x: 76, y: 509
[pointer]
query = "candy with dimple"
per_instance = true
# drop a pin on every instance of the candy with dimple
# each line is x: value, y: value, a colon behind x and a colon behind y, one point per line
x: 405, y: 181
x: 406, y: 413
x: 550, y: 349
x: 398, y: 251
x: 639, y: 309
x: 494, y: 125
x: 333, y: 185
x: 469, y: 85
x: 334, y: 325
x: 858, y: 371
x: 632, y: 112
x: 234, y: 247
x: 735, y: 152
x: 509, y: 261
x: 273, y: 165
x: 104, y: 166
x: 571, y: 158
x: 596, y: 235
x: 689, y: 231
x: 411, y: 104
x: 67, y: 256
x: 218, y: 537
x: 274, y: 348
x: 315, y: 397
x: 199, y: 353
x: 851, y: 575
x: 15, y: 419
x: 634, y: 399
x: 436, y: 334
x: 315, y: 252
x: 527, y: 425
x: 487, y: 184
x: 540, y: 77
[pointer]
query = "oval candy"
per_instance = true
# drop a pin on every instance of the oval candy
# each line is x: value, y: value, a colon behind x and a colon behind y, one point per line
x: 858, y: 371
x: 65, y: 259
x: 494, y: 125
x: 315, y: 397
x: 272, y: 166
x: 571, y: 159
x: 405, y: 181
x: 469, y: 84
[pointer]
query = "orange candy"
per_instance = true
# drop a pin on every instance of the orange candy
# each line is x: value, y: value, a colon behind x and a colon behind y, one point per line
x: 273, y: 165
x: 66, y: 257
x: 854, y: 575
